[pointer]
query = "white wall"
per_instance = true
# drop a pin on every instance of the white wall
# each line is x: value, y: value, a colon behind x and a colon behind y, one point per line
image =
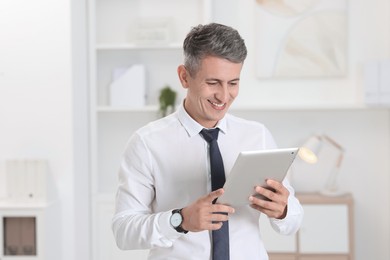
x: 368, y: 36
x: 36, y: 100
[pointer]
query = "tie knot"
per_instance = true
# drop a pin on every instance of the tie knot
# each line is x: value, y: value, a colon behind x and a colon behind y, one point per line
x: 210, y: 134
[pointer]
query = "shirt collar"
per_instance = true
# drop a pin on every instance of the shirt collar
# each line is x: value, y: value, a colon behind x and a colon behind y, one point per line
x: 192, y: 127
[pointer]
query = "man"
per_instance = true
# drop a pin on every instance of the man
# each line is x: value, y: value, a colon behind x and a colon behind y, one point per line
x: 165, y: 201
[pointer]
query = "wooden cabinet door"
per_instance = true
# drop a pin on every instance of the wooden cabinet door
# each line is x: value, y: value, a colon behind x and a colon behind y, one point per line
x: 324, y: 230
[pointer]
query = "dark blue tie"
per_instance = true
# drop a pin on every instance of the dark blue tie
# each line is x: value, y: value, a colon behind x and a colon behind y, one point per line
x: 221, y: 236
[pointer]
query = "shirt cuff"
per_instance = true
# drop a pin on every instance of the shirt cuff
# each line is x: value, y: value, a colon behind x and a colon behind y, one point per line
x: 291, y: 222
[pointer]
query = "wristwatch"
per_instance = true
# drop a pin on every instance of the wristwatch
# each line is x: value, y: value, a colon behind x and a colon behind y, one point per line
x: 176, y: 220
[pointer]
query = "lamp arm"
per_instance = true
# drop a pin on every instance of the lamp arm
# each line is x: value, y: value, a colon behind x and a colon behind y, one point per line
x: 340, y: 159
x: 339, y: 147
x: 331, y: 187
x: 333, y: 142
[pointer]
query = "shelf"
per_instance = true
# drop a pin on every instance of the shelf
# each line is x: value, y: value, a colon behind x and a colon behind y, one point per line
x: 317, y: 198
x: 135, y: 47
x: 125, y: 109
x: 18, y: 204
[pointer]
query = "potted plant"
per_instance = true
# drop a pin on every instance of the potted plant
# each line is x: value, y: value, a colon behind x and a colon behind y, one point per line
x: 167, y: 100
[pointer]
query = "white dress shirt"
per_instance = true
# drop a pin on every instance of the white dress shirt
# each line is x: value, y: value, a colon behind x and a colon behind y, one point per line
x: 165, y: 167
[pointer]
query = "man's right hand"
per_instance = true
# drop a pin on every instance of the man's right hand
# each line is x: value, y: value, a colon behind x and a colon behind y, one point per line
x: 204, y: 215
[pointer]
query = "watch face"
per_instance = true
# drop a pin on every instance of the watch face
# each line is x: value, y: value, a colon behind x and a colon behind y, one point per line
x: 176, y: 220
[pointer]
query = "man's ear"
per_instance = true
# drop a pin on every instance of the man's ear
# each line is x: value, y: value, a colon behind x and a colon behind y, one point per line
x: 183, y: 75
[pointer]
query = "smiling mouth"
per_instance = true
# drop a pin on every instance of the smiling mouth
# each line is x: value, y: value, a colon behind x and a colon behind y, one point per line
x: 217, y: 105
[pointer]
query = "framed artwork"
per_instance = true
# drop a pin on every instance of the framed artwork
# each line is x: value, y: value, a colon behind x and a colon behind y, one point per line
x: 301, y: 38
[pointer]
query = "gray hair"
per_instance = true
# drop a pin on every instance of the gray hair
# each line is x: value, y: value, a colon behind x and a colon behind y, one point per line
x: 212, y: 40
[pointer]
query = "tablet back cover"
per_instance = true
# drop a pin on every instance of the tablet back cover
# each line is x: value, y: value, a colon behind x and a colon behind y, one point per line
x: 253, y: 168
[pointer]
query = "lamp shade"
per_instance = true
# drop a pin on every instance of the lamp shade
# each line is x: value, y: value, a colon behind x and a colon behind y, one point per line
x: 309, y: 150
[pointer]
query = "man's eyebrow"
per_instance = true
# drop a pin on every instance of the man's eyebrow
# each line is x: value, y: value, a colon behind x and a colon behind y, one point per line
x: 215, y: 79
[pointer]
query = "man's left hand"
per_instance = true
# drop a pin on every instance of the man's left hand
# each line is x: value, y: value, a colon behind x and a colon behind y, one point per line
x: 275, y: 204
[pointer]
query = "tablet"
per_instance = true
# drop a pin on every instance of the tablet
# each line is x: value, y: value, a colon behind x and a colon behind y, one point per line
x: 253, y: 168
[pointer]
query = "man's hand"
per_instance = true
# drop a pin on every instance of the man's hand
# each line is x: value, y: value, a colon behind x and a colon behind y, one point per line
x: 204, y: 215
x: 276, y: 206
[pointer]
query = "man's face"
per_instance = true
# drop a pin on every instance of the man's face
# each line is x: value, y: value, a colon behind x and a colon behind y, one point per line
x: 212, y: 90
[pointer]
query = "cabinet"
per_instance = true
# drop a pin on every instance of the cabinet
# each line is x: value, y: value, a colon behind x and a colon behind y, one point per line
x: 29, y: 231
x: 122, y: 34
x: 326, y: 231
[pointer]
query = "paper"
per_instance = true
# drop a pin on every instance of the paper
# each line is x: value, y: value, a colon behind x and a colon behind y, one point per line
x: 128, y: 87
x: 27, y: 180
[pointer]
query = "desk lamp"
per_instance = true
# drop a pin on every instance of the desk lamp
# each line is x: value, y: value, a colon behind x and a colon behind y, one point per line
x: 310, y: 152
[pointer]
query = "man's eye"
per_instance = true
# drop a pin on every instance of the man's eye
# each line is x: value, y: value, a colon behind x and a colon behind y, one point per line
x: 212, y: 83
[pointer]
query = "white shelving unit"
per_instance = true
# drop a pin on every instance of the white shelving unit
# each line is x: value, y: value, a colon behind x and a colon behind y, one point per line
x: 113, y: 44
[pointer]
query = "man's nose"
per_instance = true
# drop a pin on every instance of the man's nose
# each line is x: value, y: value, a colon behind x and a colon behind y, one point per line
x: 223, y: 93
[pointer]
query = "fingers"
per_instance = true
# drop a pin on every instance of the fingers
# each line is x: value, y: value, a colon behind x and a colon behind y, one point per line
x: 217, y: 219
x: 274, y: 201
x: 218, y: 207
x: 215, y: 225
x: 275, y: 191
x: 269, y: 208
x: 212, y: 221
x: 215, y: 194
x: 203, y: 214
x: 277, y: 186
